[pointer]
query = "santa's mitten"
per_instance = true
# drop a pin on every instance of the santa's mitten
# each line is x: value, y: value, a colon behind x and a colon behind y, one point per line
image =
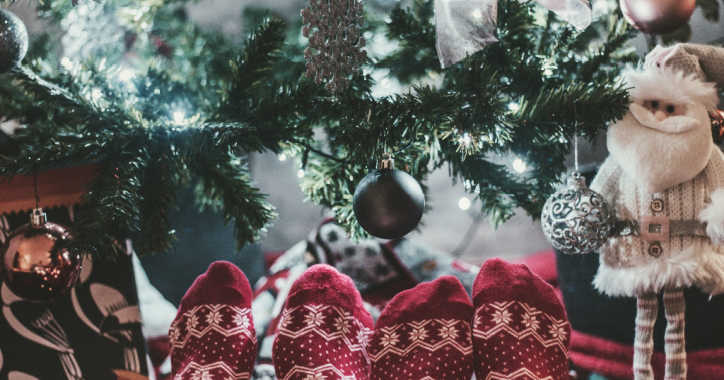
x: 424, y: 333
x: 324, y: 329
x: 520, y: 329
x: 213, y: 334
x: 713, y: 216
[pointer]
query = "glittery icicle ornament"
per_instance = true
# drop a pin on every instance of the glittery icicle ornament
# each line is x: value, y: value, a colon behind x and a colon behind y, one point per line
x: 335, y: 53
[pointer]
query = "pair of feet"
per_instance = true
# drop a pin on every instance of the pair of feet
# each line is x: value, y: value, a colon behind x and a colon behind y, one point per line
x: 514, y: 328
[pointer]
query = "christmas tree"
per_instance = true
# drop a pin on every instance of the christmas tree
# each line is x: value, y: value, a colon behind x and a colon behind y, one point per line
x: 158, y: 103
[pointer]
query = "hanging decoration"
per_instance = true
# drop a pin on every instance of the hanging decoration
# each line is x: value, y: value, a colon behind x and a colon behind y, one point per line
x: 657, y: 16
x: 577, y: 220
x: 388, y: 203
x: 334, y: 30
x: 13, y: 40
x: 466, y: 26
x: 36, y: 262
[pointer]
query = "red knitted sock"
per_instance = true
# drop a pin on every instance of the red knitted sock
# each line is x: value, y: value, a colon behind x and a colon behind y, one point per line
x: 213, y: 334
x: 324, y: 329
x: 424, y: 333
x: 520, y: 328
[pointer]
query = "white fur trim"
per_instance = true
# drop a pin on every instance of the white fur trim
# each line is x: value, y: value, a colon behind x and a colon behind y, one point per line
x: 713, y: 216
x: 675, y: 87
x: 698, y: 266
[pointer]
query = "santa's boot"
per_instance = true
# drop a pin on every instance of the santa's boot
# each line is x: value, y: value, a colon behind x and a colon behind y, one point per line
x: 424, y: 333
x: 213, y: 334
x: 647, y: 308
x: 324, y: 329
x: 675, y: 339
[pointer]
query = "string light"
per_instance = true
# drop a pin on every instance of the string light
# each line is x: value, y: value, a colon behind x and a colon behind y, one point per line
x: 126, y: 74
x: 464, y: 203
x: 67, y: 63
x: 282, y: 157
x: 300, y: 173
x: 513, y: 107
x: 478, y: 14
x: 179, y: 117
x: 96, y: 94
x: 519, y: 165
x: 465, y: 139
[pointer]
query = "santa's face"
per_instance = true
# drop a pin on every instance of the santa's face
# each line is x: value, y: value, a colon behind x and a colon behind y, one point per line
x: 661, y: 109
x: 660, y: 144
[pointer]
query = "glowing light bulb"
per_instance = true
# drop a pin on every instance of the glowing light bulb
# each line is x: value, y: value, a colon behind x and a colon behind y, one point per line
x: 478, y: 14
x: 179, y: 117
x: 519, y: 165
x: 514, y: 107
x: 282, y: 157
x: 465, y: 139
x: 66, y: 63
x: 464, y: 203
x: 126, y: 74
x: 300, y: 173
x: 96, y: 94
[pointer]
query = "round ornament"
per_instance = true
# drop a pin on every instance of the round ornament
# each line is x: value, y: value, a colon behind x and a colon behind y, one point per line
x: 577, y: 220
x: 657, y: 16
x: 37, y: 265
x: 388, y: 203
x: 13, y: 40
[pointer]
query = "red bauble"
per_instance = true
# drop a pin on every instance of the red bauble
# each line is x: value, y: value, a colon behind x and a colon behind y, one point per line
x: 37, y: 265
x: 657, y: 16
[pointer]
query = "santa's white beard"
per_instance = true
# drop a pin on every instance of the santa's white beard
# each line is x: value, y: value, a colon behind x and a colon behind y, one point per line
x: 658, y: 160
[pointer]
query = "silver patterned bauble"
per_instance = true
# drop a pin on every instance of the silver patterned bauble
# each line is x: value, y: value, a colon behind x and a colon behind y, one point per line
x: 13, y: 40
x: 577, y: 220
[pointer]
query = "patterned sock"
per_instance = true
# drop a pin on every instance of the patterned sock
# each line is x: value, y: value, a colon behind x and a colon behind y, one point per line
x: 520, y: 328
x: 675, y: 340
x: 324, y: 329
x: 424, y: 333
x: 213, y: 334
x: 647, y: 308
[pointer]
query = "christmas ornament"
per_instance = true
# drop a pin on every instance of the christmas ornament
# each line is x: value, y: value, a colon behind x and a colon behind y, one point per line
x: 657, y: 16
x: 388, y: 203
x: 333, y: 28
x: 576, y: 220
x: 717, y: 126
x: 671, y: 241
x: 13, y: 40
x: 36, y: 263
x: 464, y: 27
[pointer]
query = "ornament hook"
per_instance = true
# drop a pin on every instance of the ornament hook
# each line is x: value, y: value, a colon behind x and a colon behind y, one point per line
x: 37, y: 217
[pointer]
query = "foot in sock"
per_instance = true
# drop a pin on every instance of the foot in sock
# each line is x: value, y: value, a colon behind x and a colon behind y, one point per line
x: 520, y: 328
x: 324, y: 329
x: 424, y: 333
x: 213, y: 334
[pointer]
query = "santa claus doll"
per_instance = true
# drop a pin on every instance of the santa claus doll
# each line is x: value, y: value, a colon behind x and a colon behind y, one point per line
x: 664, y: 178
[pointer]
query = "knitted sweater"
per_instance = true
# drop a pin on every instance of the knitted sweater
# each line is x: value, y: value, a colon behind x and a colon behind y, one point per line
x: 631, y: 266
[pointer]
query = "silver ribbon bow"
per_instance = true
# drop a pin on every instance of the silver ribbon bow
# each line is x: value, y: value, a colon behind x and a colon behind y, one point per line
x: 466, y: 26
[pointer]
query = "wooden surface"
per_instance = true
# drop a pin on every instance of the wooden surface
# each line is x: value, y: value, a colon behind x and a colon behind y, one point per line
x: 57, y: 187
